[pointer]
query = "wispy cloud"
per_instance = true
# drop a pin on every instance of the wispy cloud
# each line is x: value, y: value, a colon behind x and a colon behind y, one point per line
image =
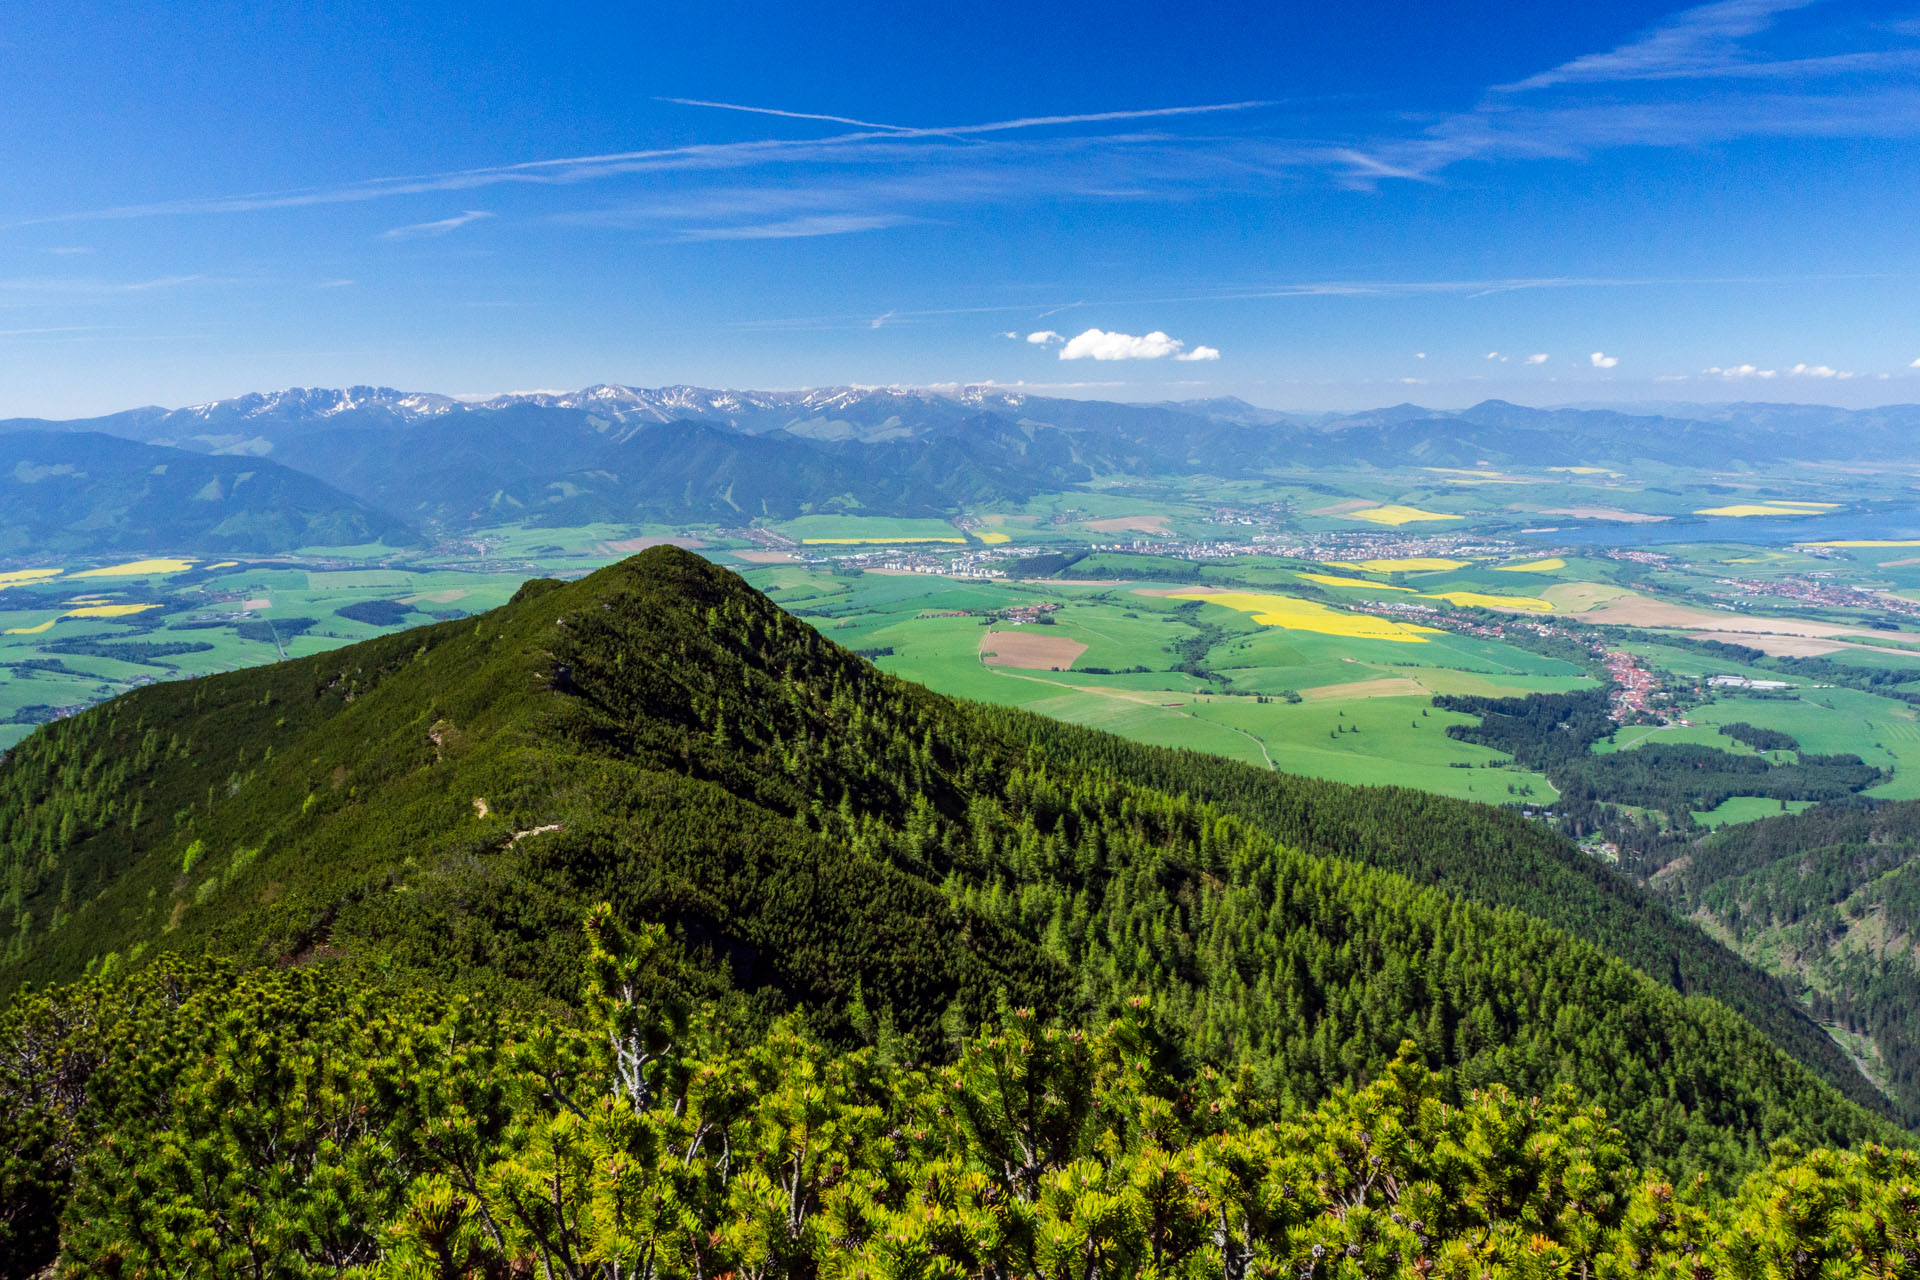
x: 1781, y: 68
x: 826, y: 224
x: 1649, y: 91
x: 1538, y: 357
x: 438, y: 227
x: 1468, y: 288
x: 786, y: 115
x: 70, y: 285
x: 1777, y: 68
x: 996, y: 126
x: 1696, y: 41
x: 868, y: 145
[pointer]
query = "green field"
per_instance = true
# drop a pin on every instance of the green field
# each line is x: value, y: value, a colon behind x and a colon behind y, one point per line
x: 1748, y: 809
x: 1364, y: 706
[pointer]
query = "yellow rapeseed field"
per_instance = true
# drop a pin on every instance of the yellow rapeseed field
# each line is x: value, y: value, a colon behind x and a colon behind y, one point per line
x: 1769, y: 507
x: 1534, y: 566
x: 107, y: 610
x: 993, y: 537
x: 1328, y: 580
x: 1865, y: 542
x: 84, y: 611
x: 1396, y: 515
x: 137, y: 568
x: 1477, y: 600
x: 1410, y: 564
x: 1305, y: 615
x: 18, y: 576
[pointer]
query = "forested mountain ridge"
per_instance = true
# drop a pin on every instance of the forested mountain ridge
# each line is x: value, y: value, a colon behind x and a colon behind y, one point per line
x: 1493, y: 857
x: 814, y: 835
x: 1830, y: 899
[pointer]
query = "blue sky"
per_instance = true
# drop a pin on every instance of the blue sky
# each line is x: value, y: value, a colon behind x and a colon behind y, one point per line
x: 1304, y: 205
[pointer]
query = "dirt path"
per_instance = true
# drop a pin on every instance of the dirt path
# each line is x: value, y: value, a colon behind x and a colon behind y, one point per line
x: 1659, y: 728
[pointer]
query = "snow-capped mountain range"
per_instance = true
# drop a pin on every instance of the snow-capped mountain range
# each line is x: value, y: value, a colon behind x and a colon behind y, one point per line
x: 753, y: 411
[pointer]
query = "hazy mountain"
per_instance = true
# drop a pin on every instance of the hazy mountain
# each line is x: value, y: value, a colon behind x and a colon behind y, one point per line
x: 691, y: 453
x: 84, y: 493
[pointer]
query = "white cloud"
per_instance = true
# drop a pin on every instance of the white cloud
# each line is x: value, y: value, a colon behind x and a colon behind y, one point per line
x: 1817, y: 371
x: 1742, y: 371
x: 1601, y: 360
x: 438, y: 228
x: 1421, y: 355
x: 1043, y: 338
x: 1538, y: 357
x: 1200, y: 353
x: 1915, y: 364
x: 1495, y: 355
x: 1011, y: 334
x: 1099, y: 344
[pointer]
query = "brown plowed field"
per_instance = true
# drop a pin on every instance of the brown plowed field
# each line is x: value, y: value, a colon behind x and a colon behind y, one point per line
x: 1129, y: 524
x: 1031, y: 650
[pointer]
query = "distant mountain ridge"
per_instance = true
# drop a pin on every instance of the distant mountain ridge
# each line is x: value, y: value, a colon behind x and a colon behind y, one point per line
x: 83, y: 492
x: 684, y: 453
x: 873, y: 412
